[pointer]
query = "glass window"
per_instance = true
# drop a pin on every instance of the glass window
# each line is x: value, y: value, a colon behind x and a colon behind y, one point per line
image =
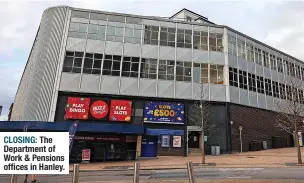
x: 184, y: 38
x: 197, y: 72
x: 243, y: 79
x: 216, y: 74
x: 282, y: 91
x: 72, y: 62
x: 74, y: 26
x: 205, y: 73
x: 111, y: 65
x: 275, y: 87
x: 260, y: 84
x: 83, y: 27
x: 148, y: 68
x: 252, y: 82
x: 216, y: 42
x: 258, y: 56
x: 166, y: 70
x: 130, y: 67
x: 268, y: 87
x: 250, y: 52
x: 93, y: 28
x: 266, y: 59
x: 151, y: 35
x: 241, y: 49
x: 232, y: 48
x: 233, y: 77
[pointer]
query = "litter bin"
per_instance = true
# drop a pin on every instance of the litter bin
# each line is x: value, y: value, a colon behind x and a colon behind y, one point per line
x: 217, y: 150
x: 213, y: 150
x: 264, y: 145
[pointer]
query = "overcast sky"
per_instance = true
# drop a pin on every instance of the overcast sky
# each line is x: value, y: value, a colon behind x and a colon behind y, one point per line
x: 277, y: 23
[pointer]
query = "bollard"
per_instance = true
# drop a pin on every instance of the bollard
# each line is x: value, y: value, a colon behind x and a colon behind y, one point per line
x: 75, y: 173
x: 190, y: 172
x: 14, y: 178
x: 136, y: 172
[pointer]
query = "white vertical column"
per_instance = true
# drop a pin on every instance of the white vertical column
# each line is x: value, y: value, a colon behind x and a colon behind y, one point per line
x: 226, y: 65
x: 52, y: 111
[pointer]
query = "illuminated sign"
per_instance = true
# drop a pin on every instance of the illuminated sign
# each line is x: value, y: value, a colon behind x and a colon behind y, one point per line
x: 77, y: 108
x: 99, y: 109
x: 164, y: 112
x: 120, y: 110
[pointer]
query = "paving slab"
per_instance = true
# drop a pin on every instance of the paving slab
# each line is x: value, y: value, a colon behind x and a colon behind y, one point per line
x: 267, y: 158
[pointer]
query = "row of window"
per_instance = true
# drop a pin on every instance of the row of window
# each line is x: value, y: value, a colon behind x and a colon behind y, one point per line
x: 278, y: 63
x: 132, y: 33
x: 116, y: 65
x: 252, y: 82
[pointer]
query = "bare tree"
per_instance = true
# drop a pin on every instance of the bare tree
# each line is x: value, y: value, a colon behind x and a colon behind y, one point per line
x: 290, y: 118
x: 201, y: 114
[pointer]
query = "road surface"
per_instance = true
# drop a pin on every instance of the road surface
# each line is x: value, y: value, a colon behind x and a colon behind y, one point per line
x: 173, y: 174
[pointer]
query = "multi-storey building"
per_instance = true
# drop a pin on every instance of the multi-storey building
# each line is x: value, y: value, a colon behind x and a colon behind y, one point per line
x: 137, y: 77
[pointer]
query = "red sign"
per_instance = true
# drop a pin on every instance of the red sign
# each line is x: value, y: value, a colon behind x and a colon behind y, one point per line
x: 77, y: 108
x: 120, y: 110
x: 86, y: 154
x: 101, y: 138
x: 99, y: 109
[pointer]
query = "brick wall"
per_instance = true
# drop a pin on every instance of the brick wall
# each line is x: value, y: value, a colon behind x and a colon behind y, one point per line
x: 257, y: 124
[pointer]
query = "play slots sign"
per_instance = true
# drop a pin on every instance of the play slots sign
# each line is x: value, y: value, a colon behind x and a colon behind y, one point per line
x: 120, y: 110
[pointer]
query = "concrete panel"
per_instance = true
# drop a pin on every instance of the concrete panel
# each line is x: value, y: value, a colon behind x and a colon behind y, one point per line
x: 149, y: 51
x: 280, y: 77
x: 166, y: 53
x: 242, y: 64
x: 90, y: 83
x: 217, y: 93
x: 217, y: 58
x: 113, y: 48
x: 199, y: 56
x: 165, y: 88
x: 267, y: 73
x: 69, y: 82
x: 132, y: 49
x: 232, y: 61
x: 150, y: 22
x: 251, y: 67
x: 253, y: 99
x: 269, y: 102
x: 259, y: 70
x: 183, y: 54
x: 234, y: 94
x: 95, y: 46
x: 129, y: 86
x: 183, y: 90
x: 75, y: 44
x: 274, y: 75
x: 109, y: 84
x: 197, y: 88
x: 276, y: 104
x: 261, y: 101
x: 244, y: 97
x: 147, y: 87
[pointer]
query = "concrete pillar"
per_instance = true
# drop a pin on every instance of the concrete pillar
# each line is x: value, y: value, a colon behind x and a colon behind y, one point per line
x: 138, y: 145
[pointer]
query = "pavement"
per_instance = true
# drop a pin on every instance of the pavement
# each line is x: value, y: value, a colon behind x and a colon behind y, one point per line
x: 202, y: 175
x: 272, y: 158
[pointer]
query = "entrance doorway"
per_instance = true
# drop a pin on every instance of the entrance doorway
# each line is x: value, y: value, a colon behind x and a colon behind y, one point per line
x: 193, y: 139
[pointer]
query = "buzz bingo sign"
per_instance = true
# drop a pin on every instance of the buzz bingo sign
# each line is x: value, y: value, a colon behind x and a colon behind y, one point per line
x: 164, y: 112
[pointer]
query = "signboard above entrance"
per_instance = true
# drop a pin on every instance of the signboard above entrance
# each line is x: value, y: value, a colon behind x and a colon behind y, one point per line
x: 164, y: 112
x: 77, y: 108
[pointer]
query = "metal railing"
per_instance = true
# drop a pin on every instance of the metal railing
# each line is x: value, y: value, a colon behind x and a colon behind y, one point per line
x: 75, y: 178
